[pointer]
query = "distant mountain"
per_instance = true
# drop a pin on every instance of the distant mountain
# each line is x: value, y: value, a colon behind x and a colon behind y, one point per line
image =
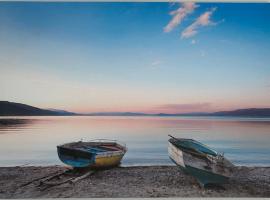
x: 143, y: 114
x: 17, y: 109
x: 249, y: 112
x: 118, y: 114
x: 62, y: 112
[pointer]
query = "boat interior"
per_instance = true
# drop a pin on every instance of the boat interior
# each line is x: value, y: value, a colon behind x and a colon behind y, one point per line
x: 192, y: 146
x: 95, y: 147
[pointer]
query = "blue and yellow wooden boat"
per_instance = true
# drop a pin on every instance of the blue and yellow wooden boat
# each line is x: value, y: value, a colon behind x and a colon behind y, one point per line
x: 195, y: 158
x: 93, y: 154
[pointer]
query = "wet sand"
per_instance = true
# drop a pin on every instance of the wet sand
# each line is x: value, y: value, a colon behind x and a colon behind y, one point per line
x: 153, y: 181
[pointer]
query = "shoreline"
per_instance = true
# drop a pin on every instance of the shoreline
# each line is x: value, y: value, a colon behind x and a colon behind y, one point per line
x: 132, y: 181
x: 120, y: 166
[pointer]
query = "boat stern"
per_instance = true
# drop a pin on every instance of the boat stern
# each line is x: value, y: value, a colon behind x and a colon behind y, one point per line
x: 75, y: 158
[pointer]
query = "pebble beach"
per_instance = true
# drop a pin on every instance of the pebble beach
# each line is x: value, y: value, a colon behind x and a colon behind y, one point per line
x: 139, y: 181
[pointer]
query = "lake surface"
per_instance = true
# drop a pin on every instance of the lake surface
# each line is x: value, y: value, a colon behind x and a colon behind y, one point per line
x: 245, y: 141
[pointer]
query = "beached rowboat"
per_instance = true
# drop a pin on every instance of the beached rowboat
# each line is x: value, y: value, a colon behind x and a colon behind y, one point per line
x: 93, y: 154
x: 195, y: 158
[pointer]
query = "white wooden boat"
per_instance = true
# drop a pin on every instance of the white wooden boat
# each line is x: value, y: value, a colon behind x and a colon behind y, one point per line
x: 205, y: 164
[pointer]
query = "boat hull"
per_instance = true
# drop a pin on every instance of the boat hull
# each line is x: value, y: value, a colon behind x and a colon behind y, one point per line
x: 110, y: 161
x: 203, y: 176
x: 75, y: 158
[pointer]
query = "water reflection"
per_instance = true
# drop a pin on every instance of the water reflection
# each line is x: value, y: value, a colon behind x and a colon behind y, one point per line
x: 34, y: 139
x: 9, y: 124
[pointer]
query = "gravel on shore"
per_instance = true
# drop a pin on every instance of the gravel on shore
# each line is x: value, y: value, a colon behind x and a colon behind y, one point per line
x: 150, y: 181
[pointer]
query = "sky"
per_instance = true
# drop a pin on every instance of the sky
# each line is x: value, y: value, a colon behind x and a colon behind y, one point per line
x: 135, y: 57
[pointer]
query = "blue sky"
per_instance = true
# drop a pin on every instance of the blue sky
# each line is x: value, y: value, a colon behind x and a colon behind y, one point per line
x: 89, y: 57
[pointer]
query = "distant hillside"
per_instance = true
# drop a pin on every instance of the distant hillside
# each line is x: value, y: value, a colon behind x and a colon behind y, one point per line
x: 118, y: 114
x: 17, y: 109
x: 61, y: 112
x: 249, y: 112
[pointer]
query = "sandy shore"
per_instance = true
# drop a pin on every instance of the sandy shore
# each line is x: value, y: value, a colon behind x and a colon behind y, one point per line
x: 154, y: 181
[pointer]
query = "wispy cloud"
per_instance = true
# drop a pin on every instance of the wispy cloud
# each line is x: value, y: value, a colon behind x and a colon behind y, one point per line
x: 202, y: 20
x: 184, y: 108
x: 155, y: 64
x: 193, y: 42
x: 202, y: 53
x: 185, y: 9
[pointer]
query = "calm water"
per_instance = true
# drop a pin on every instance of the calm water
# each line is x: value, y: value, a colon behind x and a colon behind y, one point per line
x: 244, y: 141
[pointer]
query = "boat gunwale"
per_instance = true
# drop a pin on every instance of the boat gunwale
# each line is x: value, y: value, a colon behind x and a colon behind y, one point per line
x: 203, y: 154
x: 121, y: 150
